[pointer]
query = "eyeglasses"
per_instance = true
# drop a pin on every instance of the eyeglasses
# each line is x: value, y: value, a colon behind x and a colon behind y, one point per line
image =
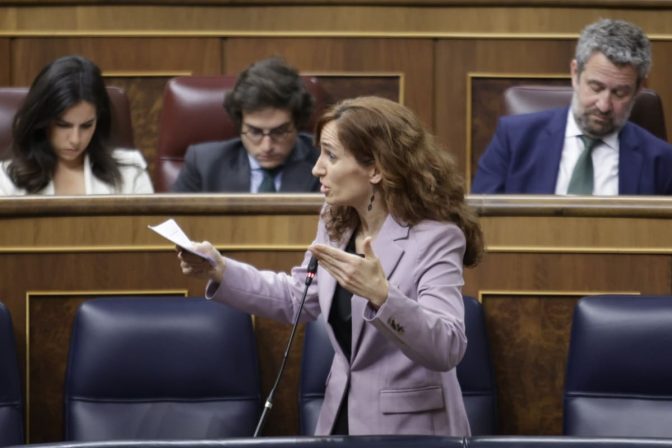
x: 278, y: 134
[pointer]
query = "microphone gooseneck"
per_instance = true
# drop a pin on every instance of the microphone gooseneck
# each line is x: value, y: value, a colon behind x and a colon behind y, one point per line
x: 310, y: 275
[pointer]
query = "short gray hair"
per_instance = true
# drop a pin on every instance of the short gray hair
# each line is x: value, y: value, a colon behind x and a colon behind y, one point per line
x: 621, y: 42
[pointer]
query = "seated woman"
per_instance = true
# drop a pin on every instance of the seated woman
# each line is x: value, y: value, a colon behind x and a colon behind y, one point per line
x: 60, y: 138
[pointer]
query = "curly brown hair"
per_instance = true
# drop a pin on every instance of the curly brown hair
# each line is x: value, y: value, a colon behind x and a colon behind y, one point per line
x: 419, y: 180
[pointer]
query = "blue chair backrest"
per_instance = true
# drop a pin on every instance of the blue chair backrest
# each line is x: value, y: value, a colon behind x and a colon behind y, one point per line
x: 475, y: 373
x: 619, y: 368
x: 161, y: 368
x: 316, y: 360
x: 11, y: 402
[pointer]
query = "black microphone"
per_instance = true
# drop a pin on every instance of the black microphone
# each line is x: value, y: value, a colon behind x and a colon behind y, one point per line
x: 310, y: 275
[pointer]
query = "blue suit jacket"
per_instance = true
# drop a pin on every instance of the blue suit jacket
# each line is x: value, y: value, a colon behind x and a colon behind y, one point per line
x: 524, y: 157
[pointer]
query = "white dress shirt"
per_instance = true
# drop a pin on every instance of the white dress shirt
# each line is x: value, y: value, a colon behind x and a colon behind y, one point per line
x: 605, y: 161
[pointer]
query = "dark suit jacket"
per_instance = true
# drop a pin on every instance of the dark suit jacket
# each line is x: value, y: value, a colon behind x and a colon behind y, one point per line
x: 524, y: 157
x: 223, y: 166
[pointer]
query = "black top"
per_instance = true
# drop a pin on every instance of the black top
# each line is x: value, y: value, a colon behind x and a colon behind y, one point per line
x: 340, y: 314
x: 340, y: 319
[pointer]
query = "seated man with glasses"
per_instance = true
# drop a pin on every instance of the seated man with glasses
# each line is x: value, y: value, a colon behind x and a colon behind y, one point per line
x: 269, y: 103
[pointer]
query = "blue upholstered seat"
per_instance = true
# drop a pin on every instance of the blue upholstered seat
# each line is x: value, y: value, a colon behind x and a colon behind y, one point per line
x: 161, y: 368
x: 475, y: 373
x: 619, y: 371
x: 11, y: 402
x: 316, y: 361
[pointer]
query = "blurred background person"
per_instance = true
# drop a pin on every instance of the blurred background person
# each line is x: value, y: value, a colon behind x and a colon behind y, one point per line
x: 268, y: 104
x: 392, y: 241
x: 60, y: 138
x: 590, y: 147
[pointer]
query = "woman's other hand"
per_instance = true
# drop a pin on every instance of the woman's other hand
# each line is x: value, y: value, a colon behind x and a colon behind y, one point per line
x: 361, y: 276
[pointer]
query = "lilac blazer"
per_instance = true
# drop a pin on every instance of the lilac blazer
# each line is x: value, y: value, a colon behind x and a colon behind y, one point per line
x: 401, y: 373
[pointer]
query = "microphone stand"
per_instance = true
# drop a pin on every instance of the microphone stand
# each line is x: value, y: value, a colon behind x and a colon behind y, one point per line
x: 310, y: 275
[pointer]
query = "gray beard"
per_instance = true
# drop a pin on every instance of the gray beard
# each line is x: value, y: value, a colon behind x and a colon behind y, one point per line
x: 582, y: 120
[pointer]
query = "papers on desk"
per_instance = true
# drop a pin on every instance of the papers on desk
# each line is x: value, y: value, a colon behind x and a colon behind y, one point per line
x: 171, y: 231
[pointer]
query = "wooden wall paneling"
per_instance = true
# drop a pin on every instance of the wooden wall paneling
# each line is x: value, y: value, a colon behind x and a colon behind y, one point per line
x: 350, y: 85
x: 140, y: 65
x: 5, y: 63
x: 529, y: 337
x: 576, y: 234
x: 515, y: 271
x: 344, y: 16
x: 119, y: 54
x: 456, y: 58
x: 411, y: 57
x: 659, y: 79
x: 145, y: 94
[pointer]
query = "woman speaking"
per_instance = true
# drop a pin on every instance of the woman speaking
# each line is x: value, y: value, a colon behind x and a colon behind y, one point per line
x: 392, y: 241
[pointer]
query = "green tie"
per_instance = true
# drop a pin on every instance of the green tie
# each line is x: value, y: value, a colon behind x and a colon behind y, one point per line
x: 268, y: 182
x: 582, y: 176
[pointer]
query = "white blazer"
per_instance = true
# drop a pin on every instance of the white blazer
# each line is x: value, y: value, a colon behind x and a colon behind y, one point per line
x: 134, y: 177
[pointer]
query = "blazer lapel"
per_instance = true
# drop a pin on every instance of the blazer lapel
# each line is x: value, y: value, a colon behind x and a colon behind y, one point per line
x: 296, y: 177
x: 551, y: 144
x: 237, y: 178
x: 629, y: 162
x: 389, y: 247
x: 297, y: 174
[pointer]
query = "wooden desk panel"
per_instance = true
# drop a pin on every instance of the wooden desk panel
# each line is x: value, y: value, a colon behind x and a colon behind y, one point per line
x: 543, y: 254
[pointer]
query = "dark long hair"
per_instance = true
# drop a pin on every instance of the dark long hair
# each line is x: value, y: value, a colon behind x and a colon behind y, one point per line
x: 60, y: 85
x: 419, y: 180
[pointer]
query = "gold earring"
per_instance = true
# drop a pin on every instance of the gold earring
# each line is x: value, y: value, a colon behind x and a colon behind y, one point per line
x: 373, y: 196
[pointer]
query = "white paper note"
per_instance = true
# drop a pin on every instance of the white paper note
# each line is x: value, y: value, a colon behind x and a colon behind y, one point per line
x: 171, y: 231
